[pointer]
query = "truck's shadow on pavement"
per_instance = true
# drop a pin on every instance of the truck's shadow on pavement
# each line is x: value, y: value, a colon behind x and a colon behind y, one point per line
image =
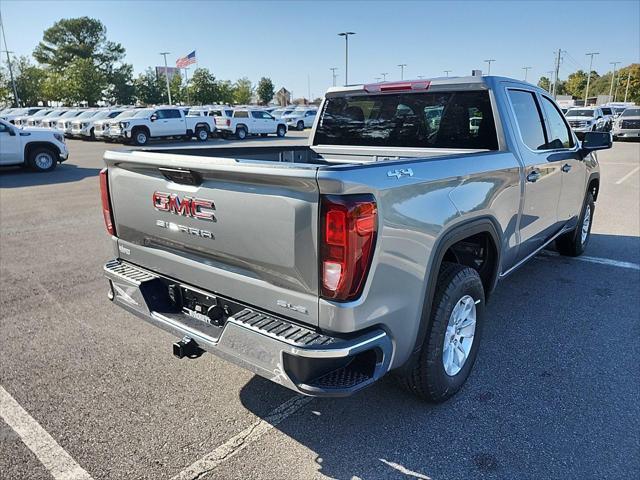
x: 552, y: 395
x: 15, y: 177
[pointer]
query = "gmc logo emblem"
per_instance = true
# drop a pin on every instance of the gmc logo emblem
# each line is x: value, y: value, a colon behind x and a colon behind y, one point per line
x: 186, y: 206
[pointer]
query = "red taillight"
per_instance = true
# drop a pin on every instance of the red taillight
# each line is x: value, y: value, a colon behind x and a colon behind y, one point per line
x: 106, y: 203
x: 349, y: 227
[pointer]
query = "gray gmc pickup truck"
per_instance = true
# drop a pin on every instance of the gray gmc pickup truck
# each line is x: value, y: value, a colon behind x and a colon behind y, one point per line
x: 371, y: 250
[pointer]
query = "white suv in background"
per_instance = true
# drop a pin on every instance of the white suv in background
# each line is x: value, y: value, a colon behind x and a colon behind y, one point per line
x: 248, y: 121
x: 84, y: 127
x: 301, y: 118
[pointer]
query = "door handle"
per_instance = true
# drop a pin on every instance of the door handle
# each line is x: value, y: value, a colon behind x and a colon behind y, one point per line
x: 533, y: 176
x: 566, y: 168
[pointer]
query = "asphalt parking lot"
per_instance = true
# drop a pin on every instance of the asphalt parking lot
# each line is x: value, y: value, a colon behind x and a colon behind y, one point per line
x: 554, y: 393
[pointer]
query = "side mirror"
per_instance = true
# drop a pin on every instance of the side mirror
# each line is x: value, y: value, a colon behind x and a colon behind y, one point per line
x: 593, y: 141
x: 153, y: 117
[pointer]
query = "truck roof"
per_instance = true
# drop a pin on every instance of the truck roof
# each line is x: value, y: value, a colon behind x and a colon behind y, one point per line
x: 427, y: 83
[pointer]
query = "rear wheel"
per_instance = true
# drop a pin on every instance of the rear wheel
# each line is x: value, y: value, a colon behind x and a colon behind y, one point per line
x: 300, y: 125
x: 574, y: 243
x: 202, y: 134
x: 42, y: 159
x: 282, y: 131
x: 451, y: 344
x: 241, y: 133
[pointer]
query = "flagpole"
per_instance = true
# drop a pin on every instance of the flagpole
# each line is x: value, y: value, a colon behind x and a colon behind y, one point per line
x: 186, y: 80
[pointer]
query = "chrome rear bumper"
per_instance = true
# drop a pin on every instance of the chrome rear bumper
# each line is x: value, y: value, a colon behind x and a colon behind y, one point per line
x: 273, y: 347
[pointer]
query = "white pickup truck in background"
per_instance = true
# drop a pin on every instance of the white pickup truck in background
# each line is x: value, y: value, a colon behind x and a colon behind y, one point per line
x: 164, y: 121
x: 243, y: 122
x: 37, y: 148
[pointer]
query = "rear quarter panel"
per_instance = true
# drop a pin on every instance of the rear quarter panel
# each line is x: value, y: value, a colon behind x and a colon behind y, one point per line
x: 414, y: 214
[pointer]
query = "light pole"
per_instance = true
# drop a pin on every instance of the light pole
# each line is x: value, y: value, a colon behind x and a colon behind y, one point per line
x: 402, y: 65
x: 626, y: 92
x: 447, y: 72
x: 489, y: 61
x: 333, y: 74
x: 166, y: 74
x: 384, y: 76
x: 186, y: 83
x: 586, y: 92
x: 526, y: 71
x: 346, y: 55
x: 6, y: 50
x: 550, y: 72
x: 613, y: 76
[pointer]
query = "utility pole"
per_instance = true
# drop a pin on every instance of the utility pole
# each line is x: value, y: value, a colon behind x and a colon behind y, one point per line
x: 333, y: 74
x: 626, y: 92
x: 309, y: 87
x: 489, y: 61
x: 6, y: 50
x: 526, y: 71
x: 612, y: 77
x: 557, y: 72
x: 586, y: 93
x: 346, y: 55
x: 384, y: 76
x: 402, y: 65
x: 447, y: 72
x: 166, y: 74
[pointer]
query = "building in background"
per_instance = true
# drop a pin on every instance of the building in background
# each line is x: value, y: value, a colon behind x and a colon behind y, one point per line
x: 283, y: 97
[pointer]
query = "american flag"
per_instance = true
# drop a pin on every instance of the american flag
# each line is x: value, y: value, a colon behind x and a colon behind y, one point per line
x: 184, y: 62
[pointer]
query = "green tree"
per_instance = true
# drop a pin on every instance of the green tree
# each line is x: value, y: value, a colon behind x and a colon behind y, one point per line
x: 632, y: 73
x: 150, y: 88
x: 265, y: 90
x: 29, y: 81
x: 576, y: 84
x: 85, y: 82
x: 72, y: 38
x: 243, y: 91
x: 177, y: 91
x: 226, y: 92
x: 55, y: 87
x: 203, y: 88
x: 120, y: 89
x: 544, y: 83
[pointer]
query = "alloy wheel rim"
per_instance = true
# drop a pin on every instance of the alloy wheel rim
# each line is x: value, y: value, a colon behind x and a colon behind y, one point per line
x: 458, y: 337
x: 142, y: 138
x: 44, y: 160
x: 586, y: 222
x: 203, y: 134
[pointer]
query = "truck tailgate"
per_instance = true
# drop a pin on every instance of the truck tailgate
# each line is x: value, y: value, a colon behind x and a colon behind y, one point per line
x: 259, y: 248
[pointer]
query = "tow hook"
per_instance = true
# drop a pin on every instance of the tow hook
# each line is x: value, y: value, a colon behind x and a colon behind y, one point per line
x: 187, y: 347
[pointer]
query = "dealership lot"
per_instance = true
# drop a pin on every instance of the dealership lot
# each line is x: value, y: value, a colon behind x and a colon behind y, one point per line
x: 553, y: 395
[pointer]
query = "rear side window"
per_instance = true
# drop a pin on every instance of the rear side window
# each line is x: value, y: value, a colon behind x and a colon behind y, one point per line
x: 529, y: 119
x: 241, y: 114
x: 422, y: 120
x: 229, y: 112
x: 560, y: 137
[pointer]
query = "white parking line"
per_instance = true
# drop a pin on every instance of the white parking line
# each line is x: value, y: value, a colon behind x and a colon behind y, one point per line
x: 54, y: 458
x: 246, y: 437
x: 627, y: 175
x: 598, y: 260
x: 404, y: 470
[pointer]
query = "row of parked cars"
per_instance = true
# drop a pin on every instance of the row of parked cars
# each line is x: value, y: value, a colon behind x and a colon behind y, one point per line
x: 138, y: 125
x: 622, y: 121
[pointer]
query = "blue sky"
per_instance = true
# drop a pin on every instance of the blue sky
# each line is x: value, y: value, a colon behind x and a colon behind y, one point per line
x: 294, y: 40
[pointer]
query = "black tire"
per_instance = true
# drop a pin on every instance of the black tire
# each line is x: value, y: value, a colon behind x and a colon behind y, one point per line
x: 140, y: 136
x: 263, y: 134
x: 428, y: 378
x: 186, y: 138
x: 574, y: 243
x: 241, y: 133
x: 300, y: 125
x: 42, y: 159
x: 281, y: 131
x: 202, y: 134
x: 92, y: 135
